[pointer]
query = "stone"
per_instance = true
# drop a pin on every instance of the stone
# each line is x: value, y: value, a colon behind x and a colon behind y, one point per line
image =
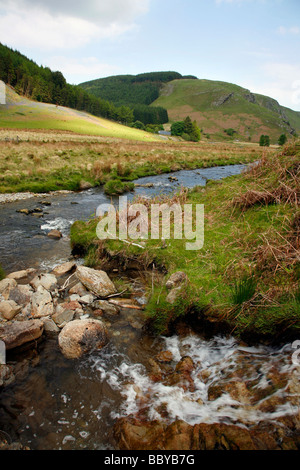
x: 106, y: 307
x: 49, y: 325
x: 61, y: 318
x: 55, y: 234
x: 96, y: 282
x: 47, y: 281
x: 6, y: 285
x: 18, y: 274
x: 64, y: 268
x: 165, y: 356
x: 20, y: 332
x: 174, y: 295
x: 6, y: 375
x: 20, y: 296
x: 87, y: 299
x: 176, y: 279
x: 80, y: 337
x: 9, y: 309
x: 41, y: 303
x: 78, y: 289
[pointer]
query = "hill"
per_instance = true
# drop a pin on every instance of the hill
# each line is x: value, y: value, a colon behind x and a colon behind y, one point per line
x: 136, y: 91
x: 217, y: 106
x: 22, y: 113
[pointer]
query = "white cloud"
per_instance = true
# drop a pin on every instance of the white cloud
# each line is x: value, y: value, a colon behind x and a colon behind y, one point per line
x: 81, y: 69
x: 280, y: 81
x: 291, y: 30
x: 64, y: 23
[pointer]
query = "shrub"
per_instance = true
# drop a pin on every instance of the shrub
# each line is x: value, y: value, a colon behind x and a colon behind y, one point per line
x: 243, y: 290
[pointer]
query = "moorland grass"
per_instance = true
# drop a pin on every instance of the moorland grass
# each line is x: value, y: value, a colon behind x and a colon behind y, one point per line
x: 246, y: 276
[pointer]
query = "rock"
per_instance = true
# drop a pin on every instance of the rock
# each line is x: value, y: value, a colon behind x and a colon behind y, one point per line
x: 20, y: 295
x: 72, y: 305
x: 165, y: 357
x: 78, y: 289
x: 18, y: 274
x: 176, y: 279
x: 64, y: 268
x: 6, y: 285
x: 6, y: 376
x: 49, y: 325
x: 41, y: 303
x: 61, y: 318
x: 9, y: 309
x: 134, y: 434
x: 87, y: 299
x: 47, y: 281
x: 80, y: 337
x: 55, y: 234
x: 106, y: 307
x: 83, y: 185
x: 173, y: 295
x: 20, y: 332
x: 96, y: 282
x: 24, y: 211
x: 74, y: 298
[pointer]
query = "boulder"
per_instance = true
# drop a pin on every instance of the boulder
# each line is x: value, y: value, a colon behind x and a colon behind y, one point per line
x: 47, y: 281
x: 9, y: 309
x: 18, y: 274
x: 6, y: 285
x: 96, y: 282
x: 61, y: 318
x: 106, y: 307
x: 20, y: 332
x: 78, y: 289
x: 64, y: 268
x: 49, y: 325
x: 55, y: 234
x: 41, y: 303
x: 21, y: 295
x: 80, y: 337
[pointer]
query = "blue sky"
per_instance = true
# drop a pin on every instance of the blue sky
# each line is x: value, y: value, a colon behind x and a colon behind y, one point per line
x: 252, y: 43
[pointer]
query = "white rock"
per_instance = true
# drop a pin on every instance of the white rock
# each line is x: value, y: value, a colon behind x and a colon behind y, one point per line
x: 96, y: 282
x: 64, y: 268
x: 6, y: 285
x: 41, y: 303
x: 48, y: 281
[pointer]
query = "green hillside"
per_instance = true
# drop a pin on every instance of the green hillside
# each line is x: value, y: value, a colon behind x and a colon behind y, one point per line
x: 217, y: 106
x: 22, y: 113
x: 136, y: 91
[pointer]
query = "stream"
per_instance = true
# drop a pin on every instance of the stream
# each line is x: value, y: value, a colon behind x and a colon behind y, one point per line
x: 57, y: 403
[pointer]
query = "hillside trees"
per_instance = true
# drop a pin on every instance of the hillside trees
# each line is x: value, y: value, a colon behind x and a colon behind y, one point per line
x: 41, y: 84
x: 186, y: 129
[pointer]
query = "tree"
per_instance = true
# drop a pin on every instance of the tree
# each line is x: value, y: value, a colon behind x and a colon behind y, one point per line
x: 264, y: 141
x: 177, y: 128
x: 282, y: 139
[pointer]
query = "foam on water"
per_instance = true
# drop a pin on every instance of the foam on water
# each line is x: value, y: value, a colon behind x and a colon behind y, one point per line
x: 219, y: 358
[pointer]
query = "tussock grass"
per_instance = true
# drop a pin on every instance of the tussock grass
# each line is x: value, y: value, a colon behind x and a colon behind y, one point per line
x: 246, y: 276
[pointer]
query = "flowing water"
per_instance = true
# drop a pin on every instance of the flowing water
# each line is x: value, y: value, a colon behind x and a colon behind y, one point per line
x: 56, y: 403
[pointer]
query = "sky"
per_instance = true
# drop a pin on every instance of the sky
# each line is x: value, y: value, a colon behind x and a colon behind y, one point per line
x: 251, y: 43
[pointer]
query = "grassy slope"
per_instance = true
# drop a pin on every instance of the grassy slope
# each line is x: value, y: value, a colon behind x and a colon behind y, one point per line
x: 256, y: 245
x: 22, y: 113
x: 200, y: 99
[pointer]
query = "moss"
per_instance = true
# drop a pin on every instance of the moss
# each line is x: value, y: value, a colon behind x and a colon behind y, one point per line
x: 2, y: 273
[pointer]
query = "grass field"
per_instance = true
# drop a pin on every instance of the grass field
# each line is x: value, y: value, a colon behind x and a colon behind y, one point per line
x: 42, y: 161
x: 22, y: 113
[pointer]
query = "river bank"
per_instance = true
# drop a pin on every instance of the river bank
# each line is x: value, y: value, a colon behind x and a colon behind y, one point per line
x: 173, y: 369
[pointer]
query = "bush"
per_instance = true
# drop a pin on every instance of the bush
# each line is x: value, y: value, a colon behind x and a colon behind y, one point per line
x: 115, y: 187
x: 243, y: 290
